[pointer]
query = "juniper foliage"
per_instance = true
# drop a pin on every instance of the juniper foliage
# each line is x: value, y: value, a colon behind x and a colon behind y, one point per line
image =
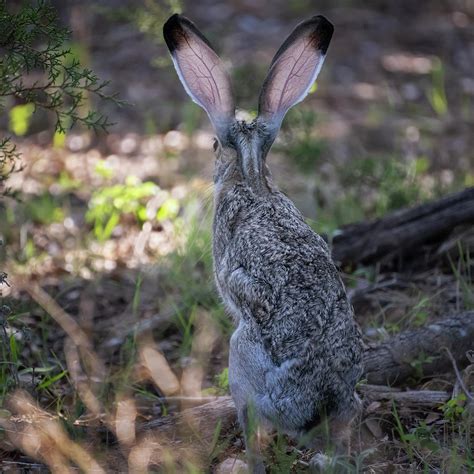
x: 36, y: 68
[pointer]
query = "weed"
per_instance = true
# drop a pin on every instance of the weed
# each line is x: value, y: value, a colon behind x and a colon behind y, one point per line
x: 127, y: 357
x: 221, y: 384
x: 453, y: 409
x: 418, y: 362
x: 420, y: 312
x: 67, y: 183
x: 189, y: 271
x: 44, y: 210
x: 216, y: 448
x: 103, y: 169
x: 59, y: 139
x: 394, y: 183
x: 20, y: 117
x: 299, y: 140
x: 392, y: 327
x: 283, y: 456
x: 222, y: 380
x: 437, y: 92
x: 403, y: 435
x: 184, y: 321
x: 371, y: 187
x: 50, y: 380
x: 137, y: 295
x: 110, y: 204
x: 9, y: 351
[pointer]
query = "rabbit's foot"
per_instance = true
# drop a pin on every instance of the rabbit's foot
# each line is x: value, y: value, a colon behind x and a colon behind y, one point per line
x: 322, y: 463
x: 232, y: 466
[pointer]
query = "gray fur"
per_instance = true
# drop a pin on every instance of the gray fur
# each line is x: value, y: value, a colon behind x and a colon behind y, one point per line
x: 296, y: 353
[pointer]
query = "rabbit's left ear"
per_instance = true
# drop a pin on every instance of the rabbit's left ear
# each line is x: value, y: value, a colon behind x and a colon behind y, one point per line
x: 201, y: 71
x: 294, y: 69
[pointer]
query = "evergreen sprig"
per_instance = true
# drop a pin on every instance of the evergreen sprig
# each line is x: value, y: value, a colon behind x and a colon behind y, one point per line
x: 37, y: 68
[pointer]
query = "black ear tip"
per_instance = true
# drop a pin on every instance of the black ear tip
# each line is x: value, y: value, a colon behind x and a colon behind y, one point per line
x: 174, y: 17
x: 171, y: 30
x: 177, y: 28
x: 172, y: 22
x: 322, y: 33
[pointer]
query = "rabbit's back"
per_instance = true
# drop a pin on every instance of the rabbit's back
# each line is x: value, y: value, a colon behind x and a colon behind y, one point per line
x: 277, y: 278
x: 278, y: 272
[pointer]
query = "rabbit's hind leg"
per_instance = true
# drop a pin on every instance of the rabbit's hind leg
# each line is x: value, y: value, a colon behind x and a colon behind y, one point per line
x: 248, y: 365
x: 341, y: 426
x: 336, y: 459
x: 254, y: 438
x: 340, y: 433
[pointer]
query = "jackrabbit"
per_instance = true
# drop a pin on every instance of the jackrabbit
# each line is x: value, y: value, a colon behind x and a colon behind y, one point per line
x: 296, y: 354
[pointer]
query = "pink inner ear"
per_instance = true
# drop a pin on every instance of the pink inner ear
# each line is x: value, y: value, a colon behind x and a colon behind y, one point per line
x: 291, y: 76
x: 203, y: 76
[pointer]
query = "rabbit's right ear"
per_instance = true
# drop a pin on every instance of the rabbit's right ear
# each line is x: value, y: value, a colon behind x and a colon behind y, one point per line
x: 294, y: 69
x: 201, y: 71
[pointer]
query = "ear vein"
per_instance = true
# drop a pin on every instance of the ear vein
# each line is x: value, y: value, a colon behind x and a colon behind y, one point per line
x: 210, y: 78
x: 291, y: 74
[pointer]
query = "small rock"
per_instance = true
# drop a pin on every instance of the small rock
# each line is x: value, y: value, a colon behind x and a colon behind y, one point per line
x: 232, y: 466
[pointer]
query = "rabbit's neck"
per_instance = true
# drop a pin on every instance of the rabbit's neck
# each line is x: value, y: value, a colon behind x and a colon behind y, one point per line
x: 242, y: 171
x: 234, y: 183
x: 252, y: 142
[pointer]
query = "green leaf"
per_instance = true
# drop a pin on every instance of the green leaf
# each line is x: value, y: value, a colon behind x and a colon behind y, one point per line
x: 222, y: 380
x: 142, y: 214
x: 20, y: 116
x: 49, y: 381
x: 59, y: 139
x: 421, y: 165
x: 169, y: 209
x: 13, y: 349
x: 103, y: 169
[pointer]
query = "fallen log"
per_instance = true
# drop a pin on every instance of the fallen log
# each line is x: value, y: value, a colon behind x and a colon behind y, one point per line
x: 189, y: 435
x: 421, y: 351
x: 221, y: 412
x: 387, y: 363
x: 200, y: 420
x: 403, y: 232
x: 410, y: 398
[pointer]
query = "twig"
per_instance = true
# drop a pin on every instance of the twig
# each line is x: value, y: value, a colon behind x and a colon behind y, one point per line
x: 458, y: 375
x: 65, y: 320
x: 3, y: 279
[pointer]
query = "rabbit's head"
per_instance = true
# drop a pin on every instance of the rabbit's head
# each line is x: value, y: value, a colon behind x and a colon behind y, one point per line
x: 241, y: 147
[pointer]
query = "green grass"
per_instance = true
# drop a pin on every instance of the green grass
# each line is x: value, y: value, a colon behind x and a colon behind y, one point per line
x: 189, y: 279
x: 447, y: 443
x: 44, y: 209
x: 12, y: 337
x: 437, y: 91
